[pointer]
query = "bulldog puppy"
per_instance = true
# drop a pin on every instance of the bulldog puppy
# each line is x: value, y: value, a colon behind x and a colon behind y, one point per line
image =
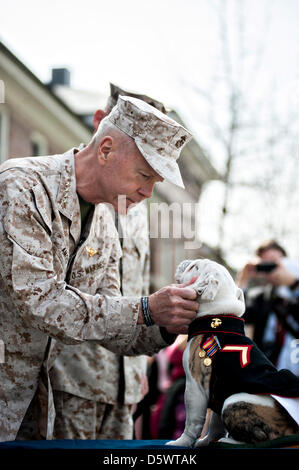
x: 250, y: 400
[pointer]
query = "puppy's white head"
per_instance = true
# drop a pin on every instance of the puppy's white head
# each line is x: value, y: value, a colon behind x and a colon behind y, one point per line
x: 216, y: 288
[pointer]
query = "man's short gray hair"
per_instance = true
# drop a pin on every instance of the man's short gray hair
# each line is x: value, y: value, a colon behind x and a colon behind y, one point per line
x: 105, y: 128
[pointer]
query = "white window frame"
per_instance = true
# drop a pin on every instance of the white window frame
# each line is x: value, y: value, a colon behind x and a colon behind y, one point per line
x: 2, y: 92
x: 41, y: 142
x: 4, y: 133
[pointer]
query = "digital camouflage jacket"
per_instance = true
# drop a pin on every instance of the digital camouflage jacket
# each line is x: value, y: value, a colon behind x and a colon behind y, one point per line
x: 39, y: 231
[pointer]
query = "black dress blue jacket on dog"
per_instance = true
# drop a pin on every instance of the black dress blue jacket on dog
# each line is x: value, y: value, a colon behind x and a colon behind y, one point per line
x: 239, y: 365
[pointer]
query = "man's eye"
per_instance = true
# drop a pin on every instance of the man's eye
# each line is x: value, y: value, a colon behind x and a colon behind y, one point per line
x: 144, y: 175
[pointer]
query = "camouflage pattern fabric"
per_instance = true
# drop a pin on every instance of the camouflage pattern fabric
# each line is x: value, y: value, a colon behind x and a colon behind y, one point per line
x: 39, y: 230
x: 78, y: 418
x: 91, y: 372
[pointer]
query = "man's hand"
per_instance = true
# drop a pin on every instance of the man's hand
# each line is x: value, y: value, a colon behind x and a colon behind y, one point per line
x: 280, y: 276
x: 174, y: 307
x: 247, y: 273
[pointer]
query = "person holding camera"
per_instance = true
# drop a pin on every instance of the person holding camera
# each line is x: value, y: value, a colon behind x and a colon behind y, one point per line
x: 271, y: 287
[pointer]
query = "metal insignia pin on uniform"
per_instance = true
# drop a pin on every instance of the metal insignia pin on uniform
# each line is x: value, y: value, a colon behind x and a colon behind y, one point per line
x: 90, y: 251
x: 202, y: 354
x: 216, y: 322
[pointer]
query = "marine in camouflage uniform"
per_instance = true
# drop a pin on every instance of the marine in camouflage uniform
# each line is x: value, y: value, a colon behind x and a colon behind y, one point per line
x: 40, y: 231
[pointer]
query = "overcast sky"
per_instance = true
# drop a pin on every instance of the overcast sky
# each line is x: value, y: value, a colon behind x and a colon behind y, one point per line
x: 165, y: 48
x: 154, y: 46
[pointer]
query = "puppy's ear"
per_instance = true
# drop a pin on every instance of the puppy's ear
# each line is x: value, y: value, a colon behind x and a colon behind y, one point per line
x: 208, y: 288
x: 240, y: 295
x: 180, y: 269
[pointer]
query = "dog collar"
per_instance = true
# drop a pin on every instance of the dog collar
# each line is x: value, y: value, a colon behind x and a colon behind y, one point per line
x: 216, y: 324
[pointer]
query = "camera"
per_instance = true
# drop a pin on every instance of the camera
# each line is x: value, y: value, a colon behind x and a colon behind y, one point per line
x: 266, y: 267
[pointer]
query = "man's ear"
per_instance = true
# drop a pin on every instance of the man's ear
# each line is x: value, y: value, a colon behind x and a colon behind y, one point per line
x: 208, y: 288
x: 104, y: 149
x: 97, y: 117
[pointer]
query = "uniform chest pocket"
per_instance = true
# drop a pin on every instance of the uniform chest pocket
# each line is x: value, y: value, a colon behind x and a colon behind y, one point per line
x: 88, y: 268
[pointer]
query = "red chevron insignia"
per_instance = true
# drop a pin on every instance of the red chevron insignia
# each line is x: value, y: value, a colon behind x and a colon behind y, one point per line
x: 244, y: 352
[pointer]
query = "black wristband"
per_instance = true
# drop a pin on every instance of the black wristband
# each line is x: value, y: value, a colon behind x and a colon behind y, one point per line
x: 146, y: 312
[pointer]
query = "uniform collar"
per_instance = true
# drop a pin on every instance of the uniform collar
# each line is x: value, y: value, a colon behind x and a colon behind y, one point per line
x: 67, y: 199
x: 216, y: 324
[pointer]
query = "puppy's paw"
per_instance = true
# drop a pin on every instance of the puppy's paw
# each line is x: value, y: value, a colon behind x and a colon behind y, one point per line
x: 203, y: 442
x: 183, y: 441
x: 171, y: 443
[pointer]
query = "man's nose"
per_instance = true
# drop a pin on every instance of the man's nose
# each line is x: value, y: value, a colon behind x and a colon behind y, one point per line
x: 147, y: 190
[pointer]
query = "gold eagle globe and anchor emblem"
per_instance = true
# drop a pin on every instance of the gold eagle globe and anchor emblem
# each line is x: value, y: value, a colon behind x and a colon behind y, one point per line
x: 216, y: 322
x: 90, y: 251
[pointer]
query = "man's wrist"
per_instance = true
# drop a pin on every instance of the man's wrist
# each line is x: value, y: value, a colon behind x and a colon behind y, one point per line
x: 148, y: 321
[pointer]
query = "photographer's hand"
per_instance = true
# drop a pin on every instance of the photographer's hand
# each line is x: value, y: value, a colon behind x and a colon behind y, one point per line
x: 247, y: 273
x: 280, y: 276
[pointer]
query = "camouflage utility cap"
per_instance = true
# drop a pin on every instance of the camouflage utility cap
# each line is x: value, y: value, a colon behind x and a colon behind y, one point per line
x: 116, y: 91
x: 159, y: 138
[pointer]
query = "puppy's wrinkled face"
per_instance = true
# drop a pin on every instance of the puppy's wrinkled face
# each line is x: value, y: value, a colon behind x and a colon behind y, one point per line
x: 207, y: 279
x: 184, y: 271
x: 214, y: 283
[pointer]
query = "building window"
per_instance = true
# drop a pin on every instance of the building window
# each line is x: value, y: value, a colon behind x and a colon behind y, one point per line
x: 2, y: 92
x: 4, y: 133
x: 39, y: 145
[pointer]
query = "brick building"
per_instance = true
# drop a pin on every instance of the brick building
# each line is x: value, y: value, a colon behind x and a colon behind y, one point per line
x: 33, y: 121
